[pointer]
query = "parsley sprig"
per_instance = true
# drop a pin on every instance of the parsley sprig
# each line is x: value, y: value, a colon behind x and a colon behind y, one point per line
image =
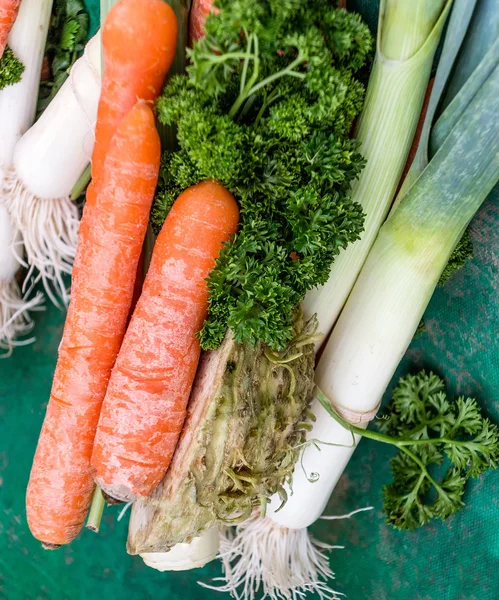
x: 266, y: 108
x: 442, y: 443
x: 11, y: 68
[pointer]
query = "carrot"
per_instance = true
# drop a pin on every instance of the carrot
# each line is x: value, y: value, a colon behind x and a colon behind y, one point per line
x: 145, y: 405
x: 8, y: 14
x: 139, y: 41
x: 110, y: 243
x: 199, y: 12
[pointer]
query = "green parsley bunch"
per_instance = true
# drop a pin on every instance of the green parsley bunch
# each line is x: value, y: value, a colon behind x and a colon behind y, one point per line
x: 266, y: 109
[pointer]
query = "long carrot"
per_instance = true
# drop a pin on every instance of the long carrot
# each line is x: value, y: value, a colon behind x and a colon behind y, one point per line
x: 139, y: 40
x: 145, y: 405
x: 110, y: 243
x: 8, y: 14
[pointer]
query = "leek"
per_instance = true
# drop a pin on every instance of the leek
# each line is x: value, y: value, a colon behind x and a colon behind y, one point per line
x: 462, y: 11
x: 398, y: 280
x: 482, y: 32
x: 408, y: 36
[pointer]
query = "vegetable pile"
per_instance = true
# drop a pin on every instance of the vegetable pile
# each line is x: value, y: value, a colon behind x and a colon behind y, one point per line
x: 267, y: 207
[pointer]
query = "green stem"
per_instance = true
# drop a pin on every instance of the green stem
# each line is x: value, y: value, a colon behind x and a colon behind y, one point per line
x: 96, y: 510
x: 246, y: 62
x: 249, y: 86
x: 381, y: 437
x: 268, y: 101
x: 287, y: 71
x: 424, y: 471
x: 221, y: 58
x: 252, y: 87
x: 82, y: 183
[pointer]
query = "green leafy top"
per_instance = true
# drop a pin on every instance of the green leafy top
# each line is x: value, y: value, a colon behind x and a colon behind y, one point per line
x: 266, y: 108
x: 442, y: 443
x: 11, y: 68
x: 66, y: 41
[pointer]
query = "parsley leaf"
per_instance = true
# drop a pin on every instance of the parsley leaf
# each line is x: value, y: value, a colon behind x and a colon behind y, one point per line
x: 442, y: 443
x: 11, y: 68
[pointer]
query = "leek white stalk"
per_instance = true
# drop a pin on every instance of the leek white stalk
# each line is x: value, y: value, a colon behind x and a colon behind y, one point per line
x: 47, y: 163
x: 408, y: 35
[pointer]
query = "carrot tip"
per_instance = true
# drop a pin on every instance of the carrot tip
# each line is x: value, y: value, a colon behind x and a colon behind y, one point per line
x: 47, y: 546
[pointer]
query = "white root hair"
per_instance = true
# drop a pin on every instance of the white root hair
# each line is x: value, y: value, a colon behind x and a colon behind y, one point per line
x: 49, y: 228
x: 261, y: 557
x: 15, y: 319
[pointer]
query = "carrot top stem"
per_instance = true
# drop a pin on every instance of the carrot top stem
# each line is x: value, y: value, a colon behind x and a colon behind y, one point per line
x: 96, y: 510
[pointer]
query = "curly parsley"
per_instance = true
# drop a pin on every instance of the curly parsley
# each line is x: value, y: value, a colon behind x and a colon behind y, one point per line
x: 266, y: 108
x: 442, y: 443
x: 11, y: 68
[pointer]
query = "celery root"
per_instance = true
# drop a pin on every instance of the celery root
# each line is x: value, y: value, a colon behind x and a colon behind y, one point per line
x: 242, y: 437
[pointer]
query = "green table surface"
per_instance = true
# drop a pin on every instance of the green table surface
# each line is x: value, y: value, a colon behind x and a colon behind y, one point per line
x: 455, y: 560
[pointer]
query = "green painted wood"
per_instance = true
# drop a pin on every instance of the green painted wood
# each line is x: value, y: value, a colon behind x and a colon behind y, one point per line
x: 456, y: 560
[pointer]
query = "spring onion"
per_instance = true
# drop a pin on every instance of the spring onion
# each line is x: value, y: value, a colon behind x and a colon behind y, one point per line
x: 17, y: 112
x: 48, y: 161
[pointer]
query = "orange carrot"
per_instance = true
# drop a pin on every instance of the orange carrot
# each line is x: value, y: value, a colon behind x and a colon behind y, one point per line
x: 199, y: 12
x: 145, y: 405
x: 8, y: 14
x: 139, y: 39
x: 110, y: 243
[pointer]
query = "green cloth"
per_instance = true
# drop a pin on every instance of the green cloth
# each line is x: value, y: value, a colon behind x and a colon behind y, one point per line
x: 456, y: 560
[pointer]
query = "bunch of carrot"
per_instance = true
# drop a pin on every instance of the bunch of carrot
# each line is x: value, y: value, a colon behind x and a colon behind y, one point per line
x: 137, y: 380
x: 8, y: 14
